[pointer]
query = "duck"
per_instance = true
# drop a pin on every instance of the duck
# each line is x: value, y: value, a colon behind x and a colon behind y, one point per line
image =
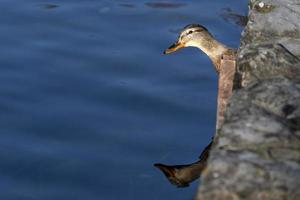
x: 196, y: 35
x: 222, y: 57
x: 224, y: 62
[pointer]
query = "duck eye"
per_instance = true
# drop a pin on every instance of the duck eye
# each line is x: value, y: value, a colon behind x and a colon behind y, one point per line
x: 190, y: 32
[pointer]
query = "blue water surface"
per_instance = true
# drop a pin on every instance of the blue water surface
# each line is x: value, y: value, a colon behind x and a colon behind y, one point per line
x: 88, y: 102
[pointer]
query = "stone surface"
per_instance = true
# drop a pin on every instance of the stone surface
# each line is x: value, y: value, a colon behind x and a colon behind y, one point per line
x: 260, y: 61
x: 256, y: 154
x: 280, y: 25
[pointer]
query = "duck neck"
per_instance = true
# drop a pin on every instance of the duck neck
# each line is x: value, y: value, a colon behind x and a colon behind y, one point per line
x: 211, y: 47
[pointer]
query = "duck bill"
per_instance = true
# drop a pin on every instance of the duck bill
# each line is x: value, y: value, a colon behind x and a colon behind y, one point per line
x: 174, y: 47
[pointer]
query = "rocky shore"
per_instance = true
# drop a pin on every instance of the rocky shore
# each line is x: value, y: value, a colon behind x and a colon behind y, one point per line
x: 256, y: 153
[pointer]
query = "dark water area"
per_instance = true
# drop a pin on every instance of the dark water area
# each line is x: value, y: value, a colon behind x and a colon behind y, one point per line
x: 89, y: 103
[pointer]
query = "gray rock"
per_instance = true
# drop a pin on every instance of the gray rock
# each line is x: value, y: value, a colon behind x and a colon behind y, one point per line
x: 278, y: 25
x: 256, y: 154
x: 260, y: 61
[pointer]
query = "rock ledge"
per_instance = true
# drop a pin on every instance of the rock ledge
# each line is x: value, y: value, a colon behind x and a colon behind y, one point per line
x: 256, y: 153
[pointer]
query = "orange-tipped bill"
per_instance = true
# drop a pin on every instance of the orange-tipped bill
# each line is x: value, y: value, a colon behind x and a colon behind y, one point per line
x: 174, y: 47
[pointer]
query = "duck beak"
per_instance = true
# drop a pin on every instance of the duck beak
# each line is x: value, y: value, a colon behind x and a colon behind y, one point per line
x: 174, y: 47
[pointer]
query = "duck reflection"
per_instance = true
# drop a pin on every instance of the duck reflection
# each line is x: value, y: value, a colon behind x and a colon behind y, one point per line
x: 183, y: 175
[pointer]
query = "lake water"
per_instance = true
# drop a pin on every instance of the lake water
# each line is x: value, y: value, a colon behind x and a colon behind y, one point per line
x: 89, y: 103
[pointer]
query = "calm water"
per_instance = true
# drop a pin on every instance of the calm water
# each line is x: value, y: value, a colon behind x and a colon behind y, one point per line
x: 89, y: 103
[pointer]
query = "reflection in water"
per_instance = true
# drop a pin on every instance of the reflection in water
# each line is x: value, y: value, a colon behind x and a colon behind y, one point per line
x: 165, y: 5
x: 182, y: 175
x: 230, y: 16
